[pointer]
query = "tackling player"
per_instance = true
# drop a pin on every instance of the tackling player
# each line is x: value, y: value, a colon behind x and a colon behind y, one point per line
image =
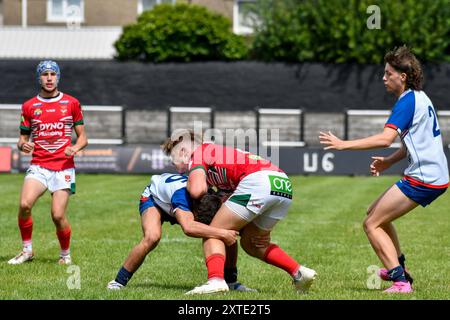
x: 166, y: 199
x: 414, y: 119
x: 49, y: 119
x: 261, y: 195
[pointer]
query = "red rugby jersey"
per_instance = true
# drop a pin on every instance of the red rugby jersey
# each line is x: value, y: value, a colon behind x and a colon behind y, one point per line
x: 50, y: 123
x: 225, y: 167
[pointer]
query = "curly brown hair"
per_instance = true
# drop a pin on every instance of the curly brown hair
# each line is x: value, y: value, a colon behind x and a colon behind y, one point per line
x: 404, y: 61
x: 205, y: 208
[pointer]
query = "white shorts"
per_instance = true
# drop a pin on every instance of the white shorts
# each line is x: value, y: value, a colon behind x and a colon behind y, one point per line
x: 263, y: 197
x: 53, y: 180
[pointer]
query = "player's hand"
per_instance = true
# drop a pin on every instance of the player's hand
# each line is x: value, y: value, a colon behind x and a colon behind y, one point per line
x: 378, y: 165
x: 27, y: 147
x: 230, y: 237
x: 261, y: 241
x: 70, y: 151
x: 331, y: 141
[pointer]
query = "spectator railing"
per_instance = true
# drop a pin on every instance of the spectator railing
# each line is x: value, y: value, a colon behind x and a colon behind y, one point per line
x: 191, y: 114
x: 289, y: 122
x: 106, y: 124
x: 366, y: 124
x: 285, y: 127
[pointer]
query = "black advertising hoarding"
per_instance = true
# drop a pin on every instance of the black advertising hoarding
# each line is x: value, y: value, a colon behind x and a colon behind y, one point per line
x: 116, y: 159
x: 316, y: 161
x: 150, y: 159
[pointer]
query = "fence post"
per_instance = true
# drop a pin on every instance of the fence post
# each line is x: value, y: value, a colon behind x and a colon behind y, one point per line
x: 212, y: 117
x: 302, y: 124
x: 258, y: 124
x: 124, y: 124
x: 346, y: 124
x: 169, y: 121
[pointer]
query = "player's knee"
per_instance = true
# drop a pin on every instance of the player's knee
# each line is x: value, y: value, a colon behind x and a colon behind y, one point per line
x: 25, y: 207
x: 252, y: 249
x: 247, y: 248
x: 247, y: 245
x: 368, y: 226
x: 151, y: 240
x: 57, y: 218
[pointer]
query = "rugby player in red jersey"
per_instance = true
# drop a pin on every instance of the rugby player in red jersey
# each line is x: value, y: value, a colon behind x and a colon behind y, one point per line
x: 261, y: 195
x: 46, y: 128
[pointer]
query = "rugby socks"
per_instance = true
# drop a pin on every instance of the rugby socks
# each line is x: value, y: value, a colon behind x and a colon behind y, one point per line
x: 26, y: 229
x: 275, y: 256
x: 123, y: 276
x: 397, y: 274
x: 215, y: 264
x: 64, y: 240
x: 231, y: 274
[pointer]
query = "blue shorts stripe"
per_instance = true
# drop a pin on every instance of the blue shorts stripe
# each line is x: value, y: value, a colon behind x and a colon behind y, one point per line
x: 145, y: 204
x: 420, y: 194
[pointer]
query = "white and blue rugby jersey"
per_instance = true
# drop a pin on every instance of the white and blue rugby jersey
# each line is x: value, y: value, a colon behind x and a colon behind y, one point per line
x: 414, y: 118
x: 169, y: 192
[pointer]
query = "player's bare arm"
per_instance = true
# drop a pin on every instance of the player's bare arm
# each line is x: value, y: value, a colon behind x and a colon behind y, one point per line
x: 197, y: 185
x: 380, y: 164
x: 197, y: 229
x: 381, y: 140
x: 81, y: 143
x: 24, y: 144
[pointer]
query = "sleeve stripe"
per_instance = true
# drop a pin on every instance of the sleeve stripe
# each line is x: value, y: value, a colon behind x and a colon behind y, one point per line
x: 390, y: 125
x: 197, y: 167
x: 25, y: 128
x: 182, y: 207
x: 78, y: 123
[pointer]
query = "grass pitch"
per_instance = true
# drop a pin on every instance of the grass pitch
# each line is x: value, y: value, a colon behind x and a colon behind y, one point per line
x: 323, y: 230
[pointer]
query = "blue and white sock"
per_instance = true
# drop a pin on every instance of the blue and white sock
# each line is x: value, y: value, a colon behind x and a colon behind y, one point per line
x: 397, y: 274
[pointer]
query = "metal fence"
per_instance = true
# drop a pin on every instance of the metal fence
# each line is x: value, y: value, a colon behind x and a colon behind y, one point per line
x: 106, y: 124
x: 115, y: 125
x: 362, y: 123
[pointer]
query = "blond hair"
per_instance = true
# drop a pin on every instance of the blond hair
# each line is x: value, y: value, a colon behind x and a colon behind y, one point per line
x: 179, y: 136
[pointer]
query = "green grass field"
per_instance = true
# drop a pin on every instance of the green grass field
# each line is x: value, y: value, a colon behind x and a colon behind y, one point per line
x: 323, y: 230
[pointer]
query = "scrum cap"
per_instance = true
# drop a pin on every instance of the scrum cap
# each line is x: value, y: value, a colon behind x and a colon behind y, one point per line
x: 47, y: 65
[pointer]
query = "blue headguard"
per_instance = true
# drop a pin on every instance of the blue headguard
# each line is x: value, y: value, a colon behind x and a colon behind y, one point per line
x: 45, y: 66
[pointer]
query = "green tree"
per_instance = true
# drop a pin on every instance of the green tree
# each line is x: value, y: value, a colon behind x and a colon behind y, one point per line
x: 336, y: 31
x: 180, y: 32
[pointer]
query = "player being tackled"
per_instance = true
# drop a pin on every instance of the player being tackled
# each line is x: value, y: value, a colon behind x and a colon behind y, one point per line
x: 260, y: 196
x: 166, y: 199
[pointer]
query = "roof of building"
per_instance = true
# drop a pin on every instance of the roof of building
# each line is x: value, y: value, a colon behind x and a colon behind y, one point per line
x: 58, y: 42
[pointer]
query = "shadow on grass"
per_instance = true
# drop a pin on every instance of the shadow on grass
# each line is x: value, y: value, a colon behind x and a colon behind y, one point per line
x: 162, y: 286
x: 36, y: 260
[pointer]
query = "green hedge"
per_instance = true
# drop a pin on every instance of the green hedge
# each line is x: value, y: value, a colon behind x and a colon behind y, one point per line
x: 336, y: 31
x: 180, y: 33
